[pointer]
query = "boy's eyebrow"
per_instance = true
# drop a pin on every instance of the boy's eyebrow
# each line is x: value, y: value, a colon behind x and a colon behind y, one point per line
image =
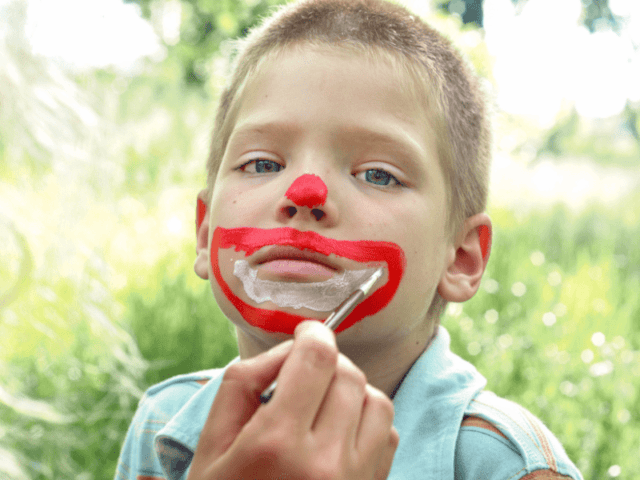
x: 397, y: 139
x: 248, y: 128
x: 370, y: 135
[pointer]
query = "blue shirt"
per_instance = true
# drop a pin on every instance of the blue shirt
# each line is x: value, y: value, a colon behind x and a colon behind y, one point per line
x: 439, y: 390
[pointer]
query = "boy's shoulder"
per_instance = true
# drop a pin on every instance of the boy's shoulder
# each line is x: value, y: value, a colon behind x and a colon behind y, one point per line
x: 164, y: 399
x: 157, y: 407
x: 182, y: 381
x: 498, y: 433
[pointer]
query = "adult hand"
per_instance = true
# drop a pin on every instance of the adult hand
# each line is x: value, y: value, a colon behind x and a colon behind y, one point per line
x: 323, y: 422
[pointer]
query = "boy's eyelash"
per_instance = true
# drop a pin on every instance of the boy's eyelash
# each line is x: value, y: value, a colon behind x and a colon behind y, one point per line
x: 393, y: 178
x: 261, y: 161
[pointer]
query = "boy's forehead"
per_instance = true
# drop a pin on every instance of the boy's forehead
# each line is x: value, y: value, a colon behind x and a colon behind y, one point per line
x: 272, y: 95
x: 401, y: 79
x: 408, y: 74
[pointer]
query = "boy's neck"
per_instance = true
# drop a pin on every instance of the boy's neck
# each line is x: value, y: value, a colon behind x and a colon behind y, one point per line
x: 385, y: 364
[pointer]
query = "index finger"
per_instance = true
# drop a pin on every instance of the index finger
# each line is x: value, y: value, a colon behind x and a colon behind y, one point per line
x: 305, y: 375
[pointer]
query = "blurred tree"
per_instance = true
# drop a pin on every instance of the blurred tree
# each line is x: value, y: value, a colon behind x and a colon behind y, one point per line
x: 470, y: 11
x: 596, y: 14
x: 202, y: 26
x: 612, y: 141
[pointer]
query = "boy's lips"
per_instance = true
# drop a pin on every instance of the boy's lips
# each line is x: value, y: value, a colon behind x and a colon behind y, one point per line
x: 283, y: 262
x: 305, y: 249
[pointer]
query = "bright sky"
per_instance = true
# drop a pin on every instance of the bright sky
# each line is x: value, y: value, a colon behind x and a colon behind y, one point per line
x: 93, y: 33
x: 543, y: 56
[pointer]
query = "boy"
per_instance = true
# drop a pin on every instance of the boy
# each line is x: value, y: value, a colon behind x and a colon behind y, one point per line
x: 351, y: 136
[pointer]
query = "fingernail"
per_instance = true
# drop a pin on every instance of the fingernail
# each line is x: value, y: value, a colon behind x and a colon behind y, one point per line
x: 304, y: 326
x: 281, y: 348
x: 307, y: 325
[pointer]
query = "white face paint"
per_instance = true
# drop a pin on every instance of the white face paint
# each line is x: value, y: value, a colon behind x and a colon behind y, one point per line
x: 318, y: 296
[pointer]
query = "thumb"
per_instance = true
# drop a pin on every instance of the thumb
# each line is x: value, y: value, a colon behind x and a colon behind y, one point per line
x: 386, y: 458
x: 238, y: 399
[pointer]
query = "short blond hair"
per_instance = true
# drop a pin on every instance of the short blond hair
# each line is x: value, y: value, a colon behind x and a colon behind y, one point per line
x: 451, y: 90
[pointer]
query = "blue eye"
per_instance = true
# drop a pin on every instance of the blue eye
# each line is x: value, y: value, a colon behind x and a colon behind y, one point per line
x: 261, y: 166
x: 380, y: 177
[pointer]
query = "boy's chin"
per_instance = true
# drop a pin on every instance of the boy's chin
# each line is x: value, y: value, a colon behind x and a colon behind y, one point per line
x: 306, y: 313
x: 265, y: 317
x: 274, y: 312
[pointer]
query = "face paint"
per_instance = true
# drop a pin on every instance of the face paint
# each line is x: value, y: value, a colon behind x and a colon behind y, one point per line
x: 250, y: 240
x: 485, y: 238
x: 307, y: 191
x: 318, y: 296
x: 201, y: 211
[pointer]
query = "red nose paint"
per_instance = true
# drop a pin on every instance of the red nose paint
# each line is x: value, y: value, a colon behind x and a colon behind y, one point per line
x: 201, y: 211
x: 485, y: 239
x: 307, y: 191
x: 250, y: 240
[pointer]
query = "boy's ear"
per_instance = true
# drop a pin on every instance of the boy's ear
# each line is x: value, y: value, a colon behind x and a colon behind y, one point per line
x: 467, y: 260
x: 201, y: 265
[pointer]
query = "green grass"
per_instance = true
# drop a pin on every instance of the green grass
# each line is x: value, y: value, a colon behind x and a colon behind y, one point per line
x: 180, y: 330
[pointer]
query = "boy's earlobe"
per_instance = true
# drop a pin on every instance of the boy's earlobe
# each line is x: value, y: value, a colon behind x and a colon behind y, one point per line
x: 468, y: 260
x: 201, y: 265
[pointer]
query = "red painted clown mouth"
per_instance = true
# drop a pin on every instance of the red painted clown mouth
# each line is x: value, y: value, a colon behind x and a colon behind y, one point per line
x: 250, y: 240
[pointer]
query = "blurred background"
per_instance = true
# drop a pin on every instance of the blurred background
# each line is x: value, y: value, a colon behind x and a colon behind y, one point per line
x: 105, y: 114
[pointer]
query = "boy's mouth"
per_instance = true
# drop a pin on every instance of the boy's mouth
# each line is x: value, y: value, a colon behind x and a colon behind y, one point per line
x: 285, y: 262
x: 297, y: 256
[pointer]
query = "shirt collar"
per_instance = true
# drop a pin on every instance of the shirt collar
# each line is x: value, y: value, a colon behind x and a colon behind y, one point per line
x: 429, y: 407
x: 176, y: 442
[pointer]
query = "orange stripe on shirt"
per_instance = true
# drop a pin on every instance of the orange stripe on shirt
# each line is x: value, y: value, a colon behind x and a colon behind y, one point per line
x: 544, y: 442
x: 472, y: 421
x: 545, y: 475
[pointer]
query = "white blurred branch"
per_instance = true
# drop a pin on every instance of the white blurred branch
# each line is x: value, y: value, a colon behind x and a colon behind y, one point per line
x: 43, y: 112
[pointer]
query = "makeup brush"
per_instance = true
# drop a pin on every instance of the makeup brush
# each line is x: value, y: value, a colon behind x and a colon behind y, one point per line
x: 337, y: 316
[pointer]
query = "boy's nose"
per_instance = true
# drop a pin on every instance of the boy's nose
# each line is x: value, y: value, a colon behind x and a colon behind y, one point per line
x: 306, y: 192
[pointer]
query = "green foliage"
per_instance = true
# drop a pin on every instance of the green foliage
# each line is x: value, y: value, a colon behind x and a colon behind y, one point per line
x: 596, y: 14
x: 71, y: 381
x: 179, y: 330
x: 612, y: 141
x: 204, y: 26
x: 72, y: 373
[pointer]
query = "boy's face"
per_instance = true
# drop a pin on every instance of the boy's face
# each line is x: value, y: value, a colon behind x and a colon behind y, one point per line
x: 329, y: 153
